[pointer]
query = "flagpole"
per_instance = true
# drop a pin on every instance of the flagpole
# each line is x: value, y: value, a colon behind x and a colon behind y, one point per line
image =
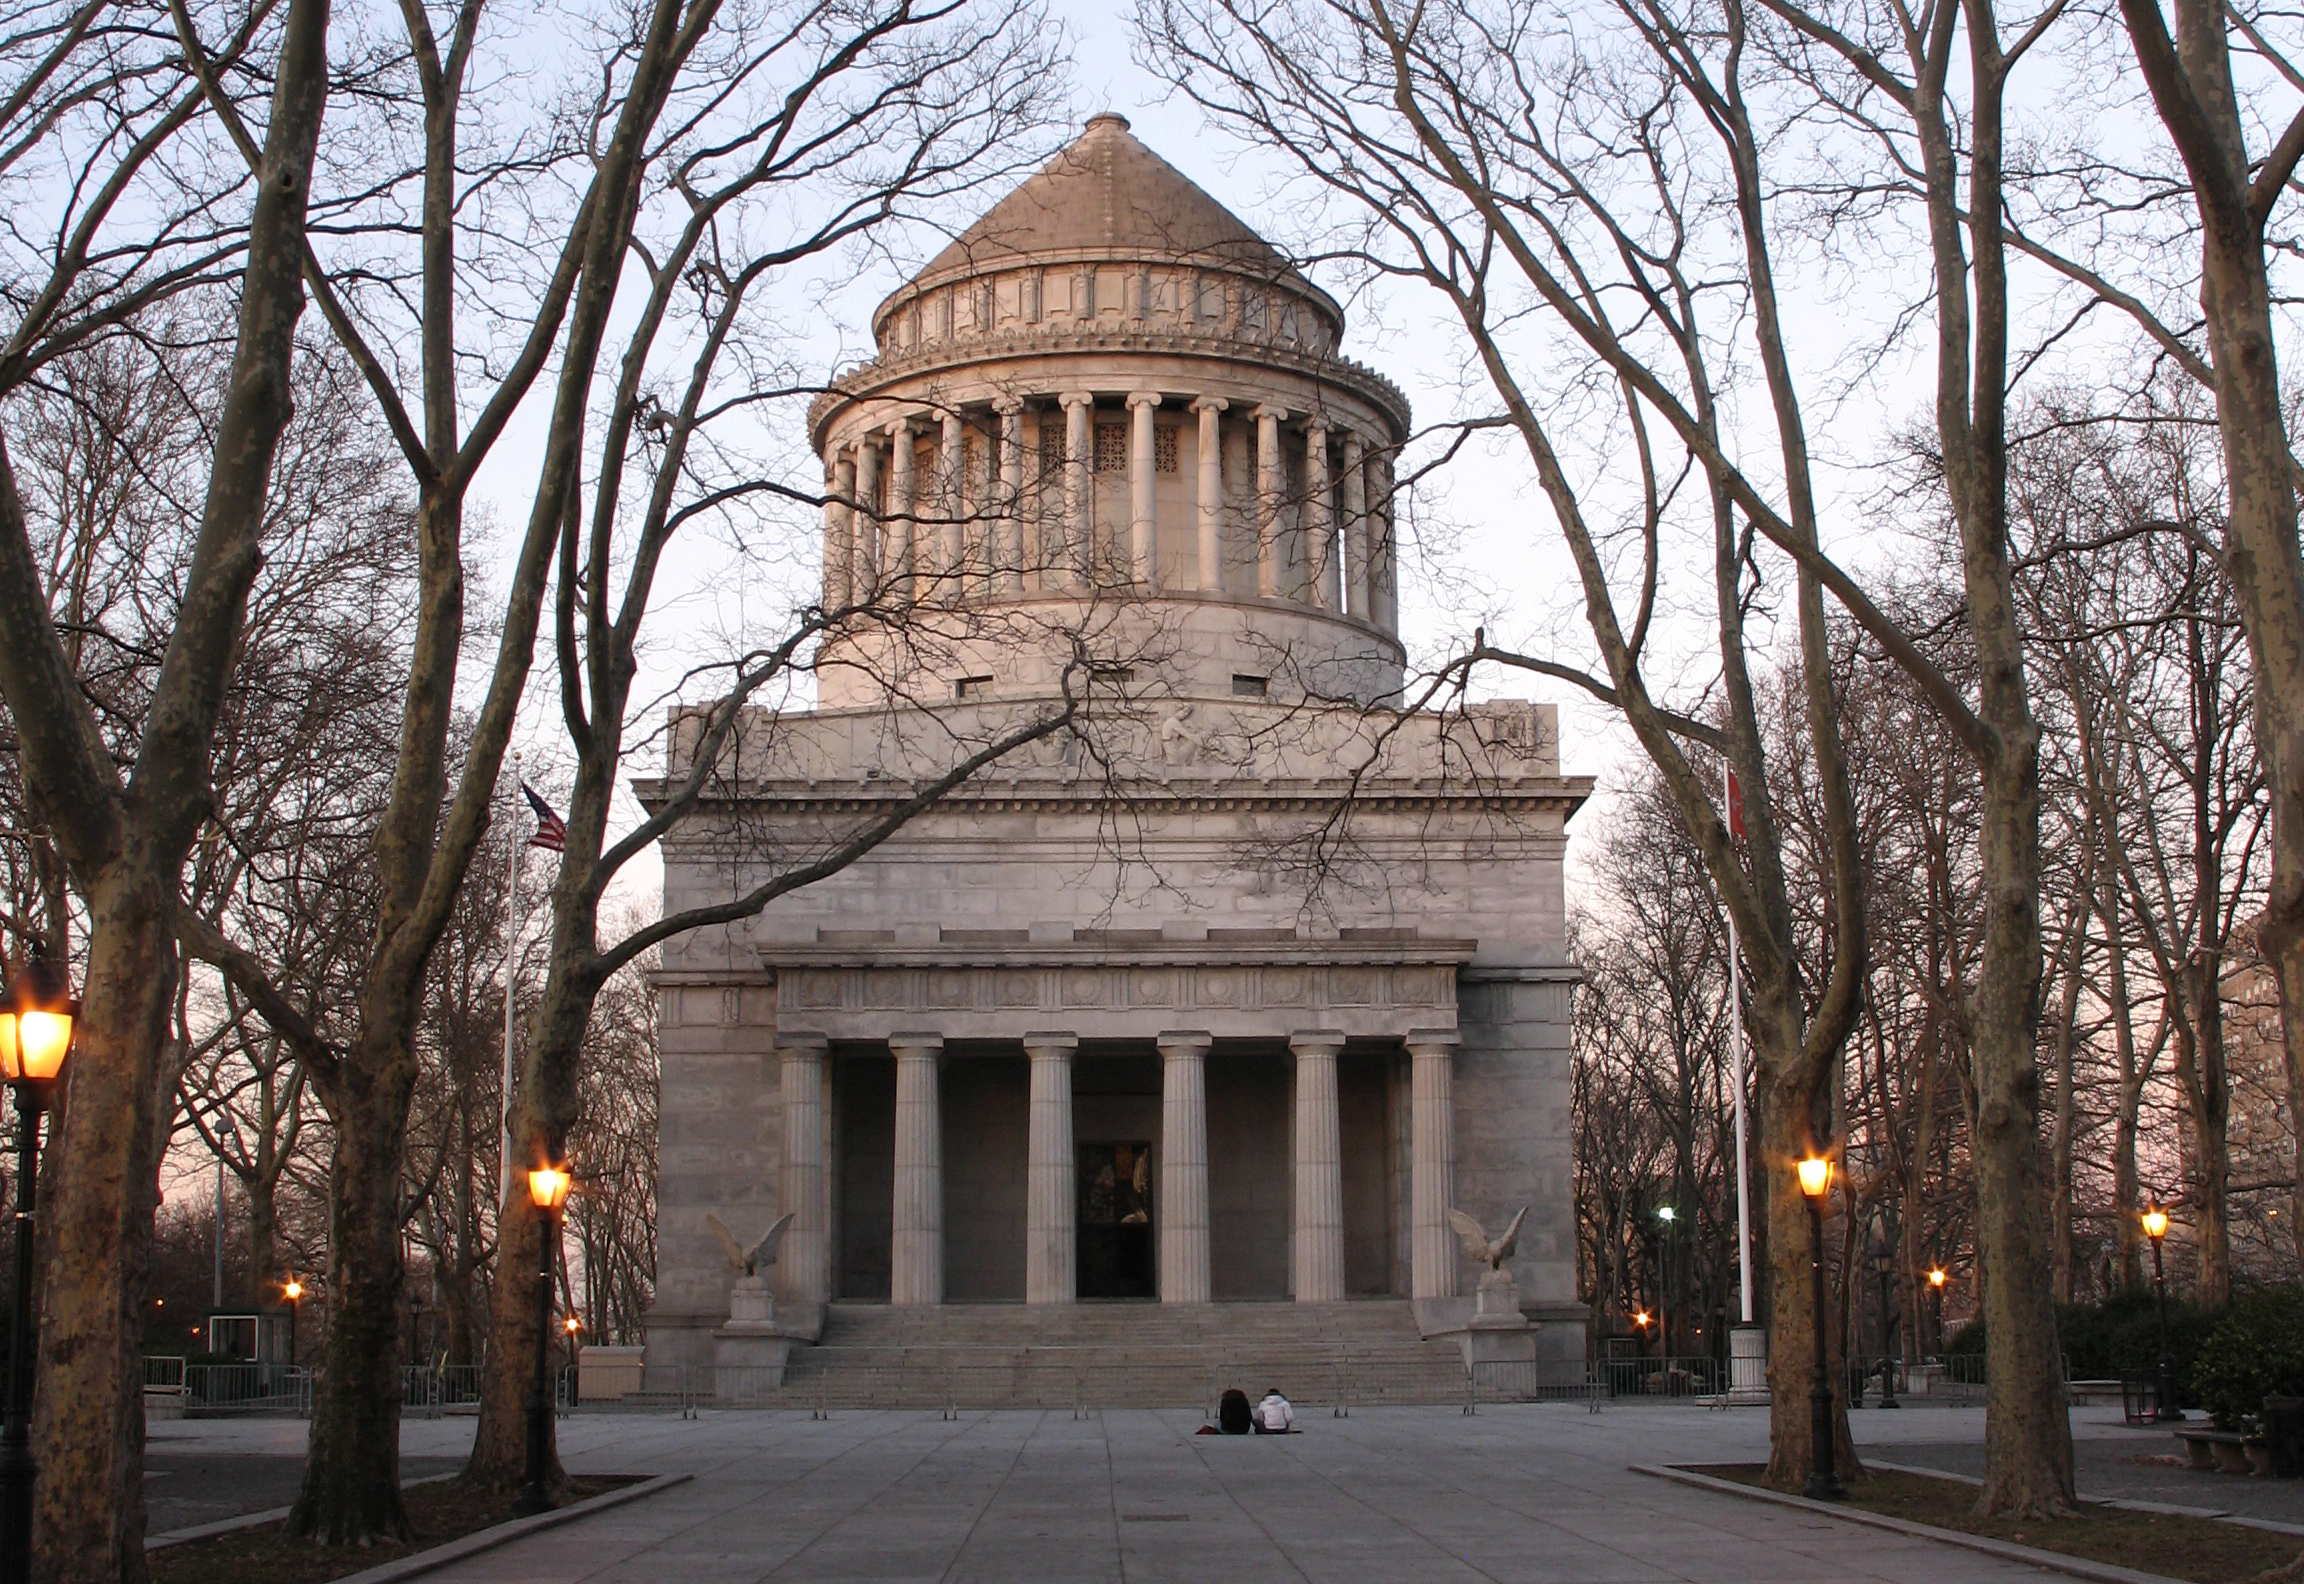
x: 514, y: 923
x: 1736, y: 1082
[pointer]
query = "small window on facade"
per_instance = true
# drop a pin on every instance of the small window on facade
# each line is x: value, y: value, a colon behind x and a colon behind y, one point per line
x: 1252, y: 311
x: 974, y: 687
x: 1111, y: 448
x: 1164, y: 449
x: 1249, y: 686
x: 1208, y: 297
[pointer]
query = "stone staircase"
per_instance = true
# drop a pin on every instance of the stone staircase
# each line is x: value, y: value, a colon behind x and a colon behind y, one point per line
x: 1120, y: 1355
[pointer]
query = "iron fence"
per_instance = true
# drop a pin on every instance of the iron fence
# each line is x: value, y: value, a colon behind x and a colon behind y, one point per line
x: 244, y: 1388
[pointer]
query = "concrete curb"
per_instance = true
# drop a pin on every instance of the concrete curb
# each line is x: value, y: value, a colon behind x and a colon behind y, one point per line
x: 518, y: 1529
x: 2124, y: 1503
x: 2007, y: 1551
x: 249, y: 1520
x: 440, y: 1556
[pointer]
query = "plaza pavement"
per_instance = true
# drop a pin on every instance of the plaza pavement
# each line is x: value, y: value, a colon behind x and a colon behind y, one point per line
x: 1538, y: 1493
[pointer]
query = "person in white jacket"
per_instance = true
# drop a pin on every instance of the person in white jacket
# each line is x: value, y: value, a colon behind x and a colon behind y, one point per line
x: 1274, y: 1416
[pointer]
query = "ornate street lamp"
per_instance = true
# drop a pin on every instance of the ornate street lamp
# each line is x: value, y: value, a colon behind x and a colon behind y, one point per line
x: 1937, y: 1277
x: 2164, y: 1392
x: 293, y: 1291
x: 1823, y: 1479
x: 36, y: 1014
x: 548, y: 1192
x: 1665, y: 1217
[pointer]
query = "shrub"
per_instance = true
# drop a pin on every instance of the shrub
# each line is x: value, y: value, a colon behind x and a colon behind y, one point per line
x: 2118, y: 1337
x: 2255, y: 1350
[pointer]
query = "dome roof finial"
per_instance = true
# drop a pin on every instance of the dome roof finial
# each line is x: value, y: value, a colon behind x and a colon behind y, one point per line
x: 1106, y: 118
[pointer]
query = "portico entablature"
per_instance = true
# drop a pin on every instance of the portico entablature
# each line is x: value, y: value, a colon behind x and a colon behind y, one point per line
x: 847, y: 992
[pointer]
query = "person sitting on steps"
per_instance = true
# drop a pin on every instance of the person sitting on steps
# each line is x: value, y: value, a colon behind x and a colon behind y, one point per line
x: 1233, y: 1415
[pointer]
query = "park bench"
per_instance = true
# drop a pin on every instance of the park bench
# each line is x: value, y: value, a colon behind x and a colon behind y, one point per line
x: 2226, y: 1450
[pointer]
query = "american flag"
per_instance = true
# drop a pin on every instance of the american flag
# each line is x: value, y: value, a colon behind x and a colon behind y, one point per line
x: 551, y: 829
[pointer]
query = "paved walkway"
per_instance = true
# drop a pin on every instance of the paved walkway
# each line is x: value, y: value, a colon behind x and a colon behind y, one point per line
x: 1424, y: 1494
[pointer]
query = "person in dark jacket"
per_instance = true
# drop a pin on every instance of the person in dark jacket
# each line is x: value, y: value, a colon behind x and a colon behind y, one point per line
x: 1232, y: 1413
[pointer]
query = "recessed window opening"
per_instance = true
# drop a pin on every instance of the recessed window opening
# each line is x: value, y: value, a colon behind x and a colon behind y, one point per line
x: 972, y: 687
x: 1244, y: 686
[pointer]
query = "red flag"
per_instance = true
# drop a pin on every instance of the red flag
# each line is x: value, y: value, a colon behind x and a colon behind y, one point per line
x: 551, y: 829
x: 1735, y: 808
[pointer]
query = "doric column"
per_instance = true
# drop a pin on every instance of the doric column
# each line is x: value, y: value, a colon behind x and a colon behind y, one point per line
x: 1271, y: 494
x: 864, y: 567
x: 1079, y: 499
x: 1141, y: 405
x: 1008, y: 567
x: 839, y: 528
x: 1355, y: 535
x: 1211, y: 493
x: 916, y: 1266
x: 1319, y: 526
x: 1319, y: 1242
x: 1431, y: 1162
x: 1184, y: 1166
x: 952, y: 460
x: 896, y: 564
x: 804, y: 1270
x: 1051, y: 1242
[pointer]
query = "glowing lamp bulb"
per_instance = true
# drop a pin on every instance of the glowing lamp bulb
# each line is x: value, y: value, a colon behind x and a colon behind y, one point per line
x: 293, y: 1290
x: 1815, y: 1175
x: 2155, y: 1223
x: 548, y: 1187
x: 1935, y: 1275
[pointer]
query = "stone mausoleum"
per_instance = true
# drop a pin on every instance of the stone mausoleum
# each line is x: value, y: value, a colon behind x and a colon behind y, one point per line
x: 1228, y: 1011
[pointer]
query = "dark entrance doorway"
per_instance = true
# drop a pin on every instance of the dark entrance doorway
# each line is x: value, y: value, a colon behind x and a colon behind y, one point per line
x: 1115, y: 1220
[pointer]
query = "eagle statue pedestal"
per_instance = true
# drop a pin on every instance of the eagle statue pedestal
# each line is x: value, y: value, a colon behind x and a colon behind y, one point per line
x: 750, y: 1343
x: 1500, y: 1335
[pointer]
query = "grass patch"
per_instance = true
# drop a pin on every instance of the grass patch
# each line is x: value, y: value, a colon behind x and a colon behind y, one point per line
x: 438, y: 1511
x: 2202, y: 1550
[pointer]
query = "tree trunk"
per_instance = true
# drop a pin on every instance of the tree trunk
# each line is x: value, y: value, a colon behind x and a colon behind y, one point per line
x: 263, y: 1235
x: 2127, y: 1181
x: 1787, y: 1132
x: 96, y: 1236
x: 351, y: 1490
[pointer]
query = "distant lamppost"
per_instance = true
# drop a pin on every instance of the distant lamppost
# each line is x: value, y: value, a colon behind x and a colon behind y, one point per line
x: 1823, y: 1478
x: 1884, y: 1263
x: 574, y: 1327
x: 293, y: 1291
x: 2164, y: 1392
x: 1937, y: 1276
x: 548, y: 1192
x: 36, y: 1014
x: 1665, y: 1217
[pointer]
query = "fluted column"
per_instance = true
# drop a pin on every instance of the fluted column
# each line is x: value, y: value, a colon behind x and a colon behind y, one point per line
x: 1271, y: 494
x: 1009, y: 566
x: 1184, y: 1167
x: 1383, y: 550
x: 951, y: 497
x: 1431, y: 1162
x: 864, y: 569
x: 839, y: 529
x: 897, y: 562
x: 1141, y: 544
x: 1355, y: 535
x: 916, y: 1246
x: 1051, y: 1241
x: 1079, y: 498
x: 1211, y: 493
x: 804, y: 1269
x: 1319, y: 1241
x: 1319, y: 526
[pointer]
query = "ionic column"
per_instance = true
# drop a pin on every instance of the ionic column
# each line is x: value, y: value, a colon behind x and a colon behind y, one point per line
x: 1184, y: 1167
x: 1050, y: 1241
x: 1319, y: 1242
x: 804, y: 1272
x: 1355, y: 533
x: 1211, y: 494
x: 1271, y: 491
x: 952, y: 460
x: 1431, y: 1162
x: 1141, y: 405
x: 1079, y: 500
x: 916, y: 1265
x: 1319, y: 528
x: 1384, y: 550
x: 839, y: 529
x: 897, y: 528
x: 864, y: 569
x: 1009, y: 569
